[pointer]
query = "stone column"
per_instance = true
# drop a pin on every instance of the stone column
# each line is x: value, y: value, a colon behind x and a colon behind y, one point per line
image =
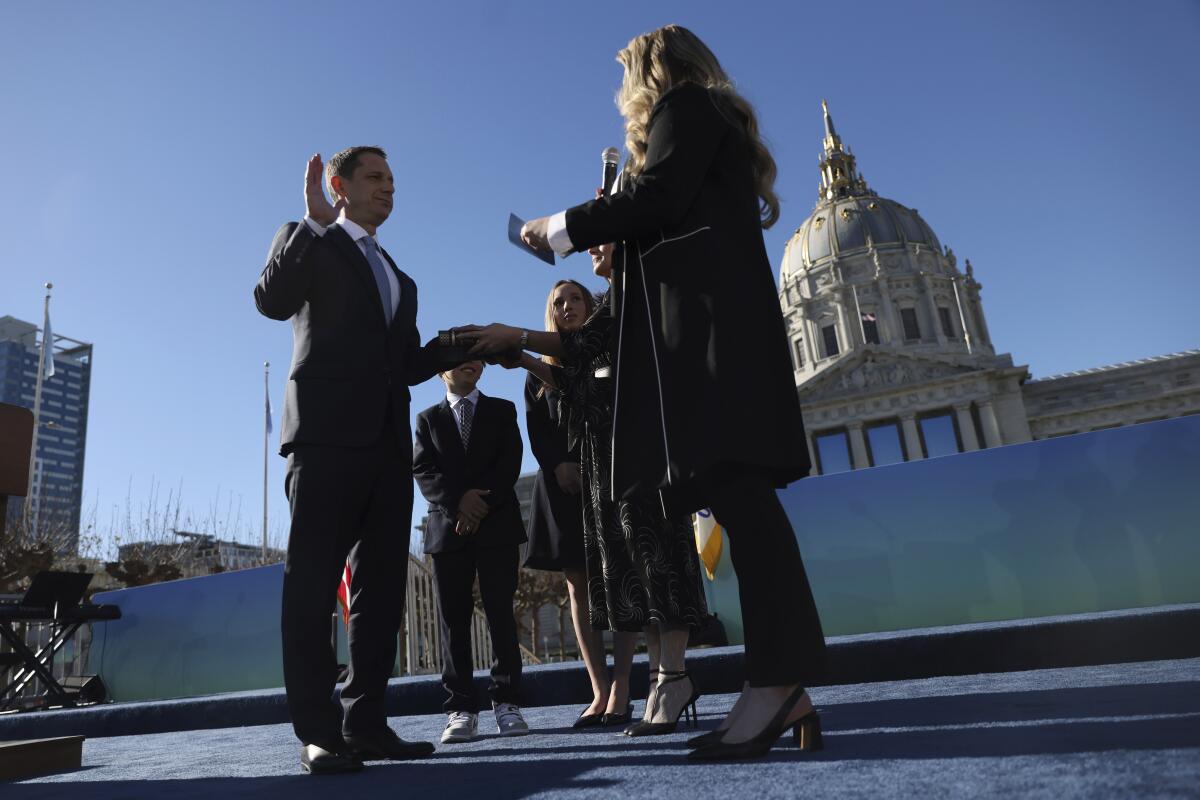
x: 931, y: 304
x: 810, y: 342
x: 858, y: 446
x: 853, y: 323
x: 846, y: 341
x: 966, y: 427
x: 891, y: 333
x: 812, y: 455
x: 991, y: 428
x: 912, y: 437
x: 980, y: 319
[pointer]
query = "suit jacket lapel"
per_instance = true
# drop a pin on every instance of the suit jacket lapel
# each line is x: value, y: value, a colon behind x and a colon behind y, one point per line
x: 448, y: 426
x: 406, y: 313
x: 359, y: 266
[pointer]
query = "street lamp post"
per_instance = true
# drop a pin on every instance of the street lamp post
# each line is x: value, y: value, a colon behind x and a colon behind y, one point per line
x: 266, y: 435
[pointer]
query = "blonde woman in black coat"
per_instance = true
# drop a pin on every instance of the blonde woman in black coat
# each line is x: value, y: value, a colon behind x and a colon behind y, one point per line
x: 556, y: 521
x: 706, y: 408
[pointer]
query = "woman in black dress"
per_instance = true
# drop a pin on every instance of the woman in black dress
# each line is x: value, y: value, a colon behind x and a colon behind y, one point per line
x: 642, y: 568
x: 706, y: 409
x: 556, y: 518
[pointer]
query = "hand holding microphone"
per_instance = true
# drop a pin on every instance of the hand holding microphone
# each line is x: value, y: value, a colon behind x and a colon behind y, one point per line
x: 535, y: 233
x: 611, y: 157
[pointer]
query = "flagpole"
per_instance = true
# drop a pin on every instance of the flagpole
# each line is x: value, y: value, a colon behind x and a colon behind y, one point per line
x: 266, y: 435
x: 962, y: 319
x: 37, y: 404
x: 862, y: 329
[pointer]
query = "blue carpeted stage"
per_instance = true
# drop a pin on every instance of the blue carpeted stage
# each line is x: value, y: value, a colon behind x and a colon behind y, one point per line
x: 1130, y: 730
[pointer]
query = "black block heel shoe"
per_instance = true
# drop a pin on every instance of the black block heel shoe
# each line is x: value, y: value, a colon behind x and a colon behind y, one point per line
x: 806, y: 730
x: 661, y: 728
x: 705, y: 739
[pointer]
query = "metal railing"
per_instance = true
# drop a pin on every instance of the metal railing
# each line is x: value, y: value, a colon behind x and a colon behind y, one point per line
x: 420, y: 651
x: 420, y: 638
x: 68, y: 662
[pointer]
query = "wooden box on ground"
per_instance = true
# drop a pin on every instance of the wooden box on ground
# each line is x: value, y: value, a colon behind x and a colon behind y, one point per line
x: 33, y: 757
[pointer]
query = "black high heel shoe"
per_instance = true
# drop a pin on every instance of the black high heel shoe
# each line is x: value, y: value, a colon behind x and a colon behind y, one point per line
x: 644, y: 728
x: 619, y: 719
x: 587, y: 720
x: 652, y: 674
x: 806, y: 731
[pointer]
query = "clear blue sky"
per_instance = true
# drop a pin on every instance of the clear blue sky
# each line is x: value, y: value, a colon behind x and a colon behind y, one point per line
x: 154, y: 148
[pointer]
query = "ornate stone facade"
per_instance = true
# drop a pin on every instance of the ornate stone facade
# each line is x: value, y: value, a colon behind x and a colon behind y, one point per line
x: 1107, y: 397
x: 891, y: 347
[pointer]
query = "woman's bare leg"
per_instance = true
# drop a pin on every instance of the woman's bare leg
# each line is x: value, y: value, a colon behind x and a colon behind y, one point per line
x: 591, y: 641
x: 672, y: 691
x: 623, y: 646
x: 653, y: 644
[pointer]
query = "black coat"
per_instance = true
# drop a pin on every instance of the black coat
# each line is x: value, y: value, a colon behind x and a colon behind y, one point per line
x: 491, y: 461
x: 555, y: 517
x: 704, y: 378
x: 348, y: 366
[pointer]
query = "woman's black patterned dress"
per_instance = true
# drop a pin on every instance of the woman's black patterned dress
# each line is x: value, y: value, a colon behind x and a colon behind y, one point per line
x: 641, y: 566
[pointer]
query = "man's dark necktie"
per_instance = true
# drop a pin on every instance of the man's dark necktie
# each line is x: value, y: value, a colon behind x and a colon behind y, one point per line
x: 379, y: 269
x: 465, y: 411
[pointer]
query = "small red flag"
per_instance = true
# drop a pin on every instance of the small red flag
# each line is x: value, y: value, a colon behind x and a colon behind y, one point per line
x: 343, y: 594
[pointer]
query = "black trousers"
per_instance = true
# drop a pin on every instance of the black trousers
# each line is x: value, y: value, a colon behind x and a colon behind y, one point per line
x: 455, y: 573
x: 354, y: 502
x: 784, y: 641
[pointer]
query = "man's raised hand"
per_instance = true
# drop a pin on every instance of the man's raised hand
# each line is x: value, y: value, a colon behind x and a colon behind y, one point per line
x: 315, y: 203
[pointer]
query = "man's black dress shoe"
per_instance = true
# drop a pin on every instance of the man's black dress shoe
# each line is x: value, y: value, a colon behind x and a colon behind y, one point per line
x: 319, y: 760
x: 386, y: 745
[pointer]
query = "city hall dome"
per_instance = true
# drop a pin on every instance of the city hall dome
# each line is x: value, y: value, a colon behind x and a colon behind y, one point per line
x: 849, y: 216
x: 866, y: 276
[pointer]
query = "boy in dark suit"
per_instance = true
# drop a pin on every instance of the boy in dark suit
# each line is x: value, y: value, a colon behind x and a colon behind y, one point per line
x: 466, y: 459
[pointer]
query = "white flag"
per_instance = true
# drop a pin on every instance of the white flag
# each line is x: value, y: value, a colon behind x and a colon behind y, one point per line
x: 267, y: 395
x: 47, y: 348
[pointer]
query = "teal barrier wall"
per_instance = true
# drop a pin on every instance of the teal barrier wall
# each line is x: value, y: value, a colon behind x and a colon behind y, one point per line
x: 1094, y: 522
x: 218, y: 633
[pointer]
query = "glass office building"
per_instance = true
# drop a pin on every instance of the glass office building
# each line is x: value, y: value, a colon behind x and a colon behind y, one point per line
x: 56, y: 492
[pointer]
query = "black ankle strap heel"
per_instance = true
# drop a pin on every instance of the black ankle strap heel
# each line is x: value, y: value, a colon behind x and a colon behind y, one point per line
x: 688, y: 711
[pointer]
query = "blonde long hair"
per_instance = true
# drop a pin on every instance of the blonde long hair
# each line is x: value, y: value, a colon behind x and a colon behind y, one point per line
x: 552, y: 325
x: 656, y: 61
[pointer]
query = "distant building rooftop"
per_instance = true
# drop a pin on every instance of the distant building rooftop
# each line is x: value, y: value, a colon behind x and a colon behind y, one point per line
x: 1121, y: 365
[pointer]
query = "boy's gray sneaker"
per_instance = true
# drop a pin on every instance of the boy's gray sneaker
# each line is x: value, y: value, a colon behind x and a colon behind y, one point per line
x: 461, y: 726
x: 509, y: 721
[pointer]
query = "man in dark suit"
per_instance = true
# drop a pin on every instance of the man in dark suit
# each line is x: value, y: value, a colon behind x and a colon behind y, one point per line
x: 466, y: 459
x: 346, y: 437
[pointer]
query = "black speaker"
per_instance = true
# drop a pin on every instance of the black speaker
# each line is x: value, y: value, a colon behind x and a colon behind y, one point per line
x: 90, y: 688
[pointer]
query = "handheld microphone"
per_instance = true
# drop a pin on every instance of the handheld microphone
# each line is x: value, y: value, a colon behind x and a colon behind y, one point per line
x: 611, y: 157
